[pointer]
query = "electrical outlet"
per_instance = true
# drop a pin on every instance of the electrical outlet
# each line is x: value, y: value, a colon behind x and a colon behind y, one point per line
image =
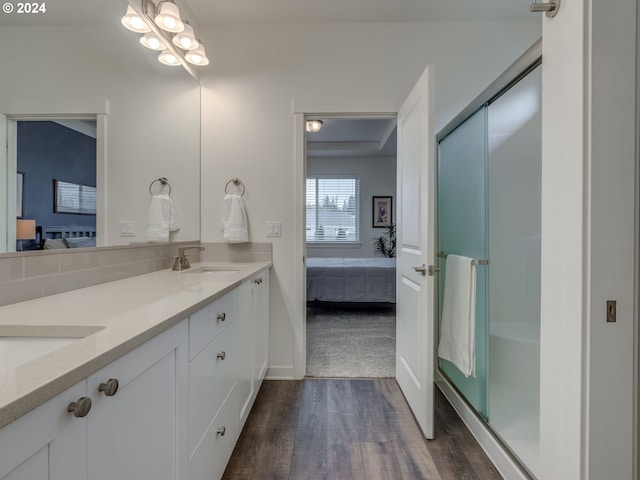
x: 612, y: 311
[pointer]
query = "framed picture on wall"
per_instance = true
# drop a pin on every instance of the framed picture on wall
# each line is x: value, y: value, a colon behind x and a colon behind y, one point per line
x: 382, y: 213
x: 19, y: 197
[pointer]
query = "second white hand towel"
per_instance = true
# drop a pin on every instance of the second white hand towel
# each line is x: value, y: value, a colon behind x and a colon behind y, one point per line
x: 162, y: 219
x: 235, y: 227
x: 458, y: 327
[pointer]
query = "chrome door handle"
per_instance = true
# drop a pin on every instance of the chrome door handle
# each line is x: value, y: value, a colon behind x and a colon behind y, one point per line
x: 421, y: 269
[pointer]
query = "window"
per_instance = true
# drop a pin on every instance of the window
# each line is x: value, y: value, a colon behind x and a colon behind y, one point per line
x: 333, y: 213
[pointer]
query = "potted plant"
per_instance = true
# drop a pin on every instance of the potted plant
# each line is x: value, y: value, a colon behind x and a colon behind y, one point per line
x: 385, y: 244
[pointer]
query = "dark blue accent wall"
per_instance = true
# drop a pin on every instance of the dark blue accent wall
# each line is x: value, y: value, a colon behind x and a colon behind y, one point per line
x: 47, y: 151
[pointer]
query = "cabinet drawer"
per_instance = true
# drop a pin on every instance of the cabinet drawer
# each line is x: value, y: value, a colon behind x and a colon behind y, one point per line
x: 210, y: 458
x: 211, y: 377
x: 207, y: 323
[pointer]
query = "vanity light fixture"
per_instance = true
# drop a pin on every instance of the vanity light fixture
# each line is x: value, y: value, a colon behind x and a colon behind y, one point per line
x: 151, y: 41
x: 168, y: 17
x: 313, y: 125
x: 168, y: 58
x: 133, y: 22
x: 165, y: 31
x: 197, y: 56
x: 186, y: 39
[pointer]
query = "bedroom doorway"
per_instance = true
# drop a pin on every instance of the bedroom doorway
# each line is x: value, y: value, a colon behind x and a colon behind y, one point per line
x: 350, y: 185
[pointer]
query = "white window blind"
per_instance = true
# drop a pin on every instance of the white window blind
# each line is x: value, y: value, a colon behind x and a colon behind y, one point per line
x: 332, y: 209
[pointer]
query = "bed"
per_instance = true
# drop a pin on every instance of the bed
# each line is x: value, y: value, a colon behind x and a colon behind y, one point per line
x: 351, y: 279
x: 55, y: 237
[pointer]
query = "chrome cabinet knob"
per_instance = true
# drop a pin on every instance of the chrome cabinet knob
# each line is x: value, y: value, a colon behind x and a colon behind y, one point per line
x: 110, y: 387
x: 221, y: 431
x: 221, y: 317
x: 221, y: 355
x: 257, y: 281
x: 80, y: 408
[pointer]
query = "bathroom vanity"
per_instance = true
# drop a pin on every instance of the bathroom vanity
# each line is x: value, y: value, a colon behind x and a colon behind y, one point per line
x: 152, y: 376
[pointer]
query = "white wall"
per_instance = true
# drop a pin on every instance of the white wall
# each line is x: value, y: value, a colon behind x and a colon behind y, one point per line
x: 588, y: 241
x: 258, y: 72
x: 153, y: 126
x: 377, y: 177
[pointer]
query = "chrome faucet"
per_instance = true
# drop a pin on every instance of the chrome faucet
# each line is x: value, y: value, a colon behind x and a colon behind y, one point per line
x: 182, y: 260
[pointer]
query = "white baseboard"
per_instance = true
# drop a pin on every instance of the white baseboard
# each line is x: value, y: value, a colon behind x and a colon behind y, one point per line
x: 508, y: 467
x: 280, y: 373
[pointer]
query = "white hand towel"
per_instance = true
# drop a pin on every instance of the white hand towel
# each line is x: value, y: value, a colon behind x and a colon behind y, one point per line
x: 162, y: 219
x: 457, y: 330
x: 235, y: 227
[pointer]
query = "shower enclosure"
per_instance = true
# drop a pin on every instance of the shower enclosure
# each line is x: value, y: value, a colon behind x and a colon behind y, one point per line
x: 489, y: 196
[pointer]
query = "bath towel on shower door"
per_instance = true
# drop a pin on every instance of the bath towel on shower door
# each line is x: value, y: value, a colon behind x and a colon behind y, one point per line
x: 162, y: 219
x: 457, y: 330
x: 235, y: 228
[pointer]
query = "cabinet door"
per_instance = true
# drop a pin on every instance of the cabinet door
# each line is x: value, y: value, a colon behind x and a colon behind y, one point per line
x: 48, y: 443
x: 261, y: 322
x: 140, y: 431
x: 245, y: 344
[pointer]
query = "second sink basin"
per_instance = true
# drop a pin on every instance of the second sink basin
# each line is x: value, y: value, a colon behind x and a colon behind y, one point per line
x: 214, y: 270
x: 21, y: 344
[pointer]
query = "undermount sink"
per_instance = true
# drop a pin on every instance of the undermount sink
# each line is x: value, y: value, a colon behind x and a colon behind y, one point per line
x: 20, y: 344
x: 214, y: 270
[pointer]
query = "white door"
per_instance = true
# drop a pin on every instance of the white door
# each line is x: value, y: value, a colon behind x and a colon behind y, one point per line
x: 415, y: 237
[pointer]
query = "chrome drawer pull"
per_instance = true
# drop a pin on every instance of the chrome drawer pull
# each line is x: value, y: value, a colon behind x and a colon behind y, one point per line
x: 221, y: 355
x: 221, y: 317
x: 221, y: 431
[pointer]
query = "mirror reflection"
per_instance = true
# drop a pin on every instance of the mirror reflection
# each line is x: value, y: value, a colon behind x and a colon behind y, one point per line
x: 83, y: 106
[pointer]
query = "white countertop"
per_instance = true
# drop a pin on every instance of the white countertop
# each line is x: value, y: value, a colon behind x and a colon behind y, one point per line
x: 117, y: 316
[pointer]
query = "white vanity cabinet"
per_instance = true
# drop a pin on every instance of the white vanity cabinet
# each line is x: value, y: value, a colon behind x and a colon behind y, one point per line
x: 139, y: 429
x: 171, y: 409
x: 253, y: 338
x: 48, y: 443
x: 226, y: 375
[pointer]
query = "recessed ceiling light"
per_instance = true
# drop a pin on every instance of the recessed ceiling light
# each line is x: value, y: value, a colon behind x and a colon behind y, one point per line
x: 314, y: 125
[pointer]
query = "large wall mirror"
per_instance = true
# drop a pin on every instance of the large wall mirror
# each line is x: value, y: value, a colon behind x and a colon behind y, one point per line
x: 76, y: 82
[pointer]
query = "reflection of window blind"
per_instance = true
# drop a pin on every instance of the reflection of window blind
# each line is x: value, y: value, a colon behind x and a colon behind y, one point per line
x: 75, y: 198
x: 332, y: 209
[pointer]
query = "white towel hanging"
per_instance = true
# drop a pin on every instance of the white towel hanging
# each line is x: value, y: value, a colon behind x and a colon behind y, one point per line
x: 458, y: 326
x: 235, y: 227
x: 162, y: 218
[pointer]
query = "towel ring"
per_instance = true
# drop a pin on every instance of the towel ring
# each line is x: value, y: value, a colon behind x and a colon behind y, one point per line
x: 237, y: 182
x: 163, y: 181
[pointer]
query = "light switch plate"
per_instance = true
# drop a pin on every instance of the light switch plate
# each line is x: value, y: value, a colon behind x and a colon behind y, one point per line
x: 273, y: 229
x: 127, y: 228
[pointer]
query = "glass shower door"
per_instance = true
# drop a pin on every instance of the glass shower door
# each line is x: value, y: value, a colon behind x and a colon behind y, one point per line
x: 462, y: 230
x: 515, y: 157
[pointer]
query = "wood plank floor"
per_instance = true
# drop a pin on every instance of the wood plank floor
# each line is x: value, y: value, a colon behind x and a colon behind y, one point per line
x: 341, y: 429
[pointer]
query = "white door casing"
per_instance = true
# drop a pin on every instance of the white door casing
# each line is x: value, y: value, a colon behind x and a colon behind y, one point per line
x: 415, y: 248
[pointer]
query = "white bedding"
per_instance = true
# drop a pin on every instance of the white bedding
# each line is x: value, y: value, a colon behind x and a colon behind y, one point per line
x: 351, y: 279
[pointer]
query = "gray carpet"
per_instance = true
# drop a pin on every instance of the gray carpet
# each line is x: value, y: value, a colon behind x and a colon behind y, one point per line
x: 351, y: 342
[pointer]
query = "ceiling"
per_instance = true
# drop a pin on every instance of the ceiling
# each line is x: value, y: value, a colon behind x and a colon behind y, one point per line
x: 338, y: 137
x: 353, y: 137
x: 212, y: 12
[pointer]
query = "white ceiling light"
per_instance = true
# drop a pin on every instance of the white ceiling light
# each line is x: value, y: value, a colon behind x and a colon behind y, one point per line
x: 168, y: 17
x: 150, y: 40
x: 165, y: 31
x: 313, y: 125
x: 169, y: 58
x: 186, y: 39
x: 133, y: 22
x: 197, y: 56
